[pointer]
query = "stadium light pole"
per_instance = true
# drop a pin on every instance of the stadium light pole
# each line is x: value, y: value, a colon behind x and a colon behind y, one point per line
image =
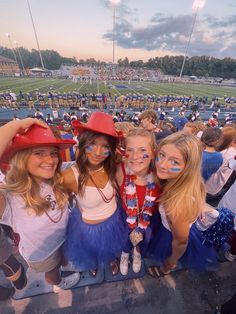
x: 12, y: 48
x: 21, y: 61
x: 197, y: 4
x: 114, y: 4
x: 35, y: 34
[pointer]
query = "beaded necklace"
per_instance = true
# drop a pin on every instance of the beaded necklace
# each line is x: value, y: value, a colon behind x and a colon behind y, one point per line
x: 139, y: 217
x: 103, y: 196
x: 96, y: 170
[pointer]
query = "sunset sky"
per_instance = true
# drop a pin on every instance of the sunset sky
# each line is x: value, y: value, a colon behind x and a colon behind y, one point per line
x: 144, y: 28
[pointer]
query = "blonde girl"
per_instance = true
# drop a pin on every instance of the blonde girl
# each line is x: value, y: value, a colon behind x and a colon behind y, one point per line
x: 139, y: 193
x: 178, y: 167
x: 33, y: 200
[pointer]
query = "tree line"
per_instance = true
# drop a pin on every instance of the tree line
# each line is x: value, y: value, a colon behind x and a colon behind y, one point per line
x: 169, y: 65
x: 197, y: 65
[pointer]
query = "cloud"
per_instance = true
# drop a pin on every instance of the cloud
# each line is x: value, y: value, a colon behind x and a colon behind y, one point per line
x: 122, y: 9
x: 172, y: 33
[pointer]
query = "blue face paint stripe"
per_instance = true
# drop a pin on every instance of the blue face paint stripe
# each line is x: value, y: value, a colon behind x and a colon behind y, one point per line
x: 89, y: 149
x: 106, y: 153
x: 175, y: 169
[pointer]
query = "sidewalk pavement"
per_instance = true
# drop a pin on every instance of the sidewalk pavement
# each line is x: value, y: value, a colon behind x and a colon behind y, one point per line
x: 178, y: 293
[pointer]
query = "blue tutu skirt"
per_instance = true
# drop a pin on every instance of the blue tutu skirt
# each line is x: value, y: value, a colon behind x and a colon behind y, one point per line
x: 197, y: 257
x: 89, y: 246
x: 147, y: 235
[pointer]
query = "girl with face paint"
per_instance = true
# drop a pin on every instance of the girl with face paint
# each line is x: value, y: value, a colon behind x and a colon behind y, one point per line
x: 139, y: 194
x: 97, y: 231
x: 185, y: 217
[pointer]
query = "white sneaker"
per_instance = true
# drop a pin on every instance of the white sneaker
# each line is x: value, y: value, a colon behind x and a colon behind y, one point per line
x: 67, y: 282
x: 124, y: 263
x: 68, y: 267
x: 136, y: 262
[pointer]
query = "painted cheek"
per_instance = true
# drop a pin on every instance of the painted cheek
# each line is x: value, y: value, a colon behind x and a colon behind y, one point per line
x: 145, y: 156
x: 175, y: 169
x: 127, y: 156
x: 106, y: 153
x: 157, y: 159
x: 89, y: 149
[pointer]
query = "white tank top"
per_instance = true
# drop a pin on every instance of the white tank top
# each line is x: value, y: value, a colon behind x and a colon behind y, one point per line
x: 92, y: 205
x: 163, y: 217
x: 39, y: 236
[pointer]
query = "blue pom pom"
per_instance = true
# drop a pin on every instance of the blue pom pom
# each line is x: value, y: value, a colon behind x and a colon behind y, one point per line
x: 220, y: 231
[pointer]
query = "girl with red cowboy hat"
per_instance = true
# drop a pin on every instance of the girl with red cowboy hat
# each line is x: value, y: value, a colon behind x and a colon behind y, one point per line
x: 97, y: 232
x: 32, y: 200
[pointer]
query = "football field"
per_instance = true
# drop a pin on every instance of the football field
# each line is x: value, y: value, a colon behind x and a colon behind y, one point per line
x: 43, y: 85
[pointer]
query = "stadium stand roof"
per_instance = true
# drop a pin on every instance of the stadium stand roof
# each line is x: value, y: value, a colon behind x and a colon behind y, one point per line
x: 5, y: 59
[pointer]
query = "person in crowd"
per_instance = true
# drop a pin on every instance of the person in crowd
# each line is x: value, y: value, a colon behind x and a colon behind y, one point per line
x: 49, y: 119
x: 162, y: 117
x: 11, y: 267
x: 229, y: 201
x: 148, y: 120
x: 97, y: 232
x: 180, y: 120
x: 38, y: 114
x: 211, y: 158
x: 139, y: 193
x: 196, y: 128
x: 33, y: 200
x: 67, y: 133
x: 122, y: 128
x: 219, y: 183
x: 213, y: 122
x: 178, y: 238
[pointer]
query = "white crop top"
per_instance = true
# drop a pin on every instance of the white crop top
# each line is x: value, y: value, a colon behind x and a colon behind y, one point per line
x: 39, y: 236
x: 92, y: 205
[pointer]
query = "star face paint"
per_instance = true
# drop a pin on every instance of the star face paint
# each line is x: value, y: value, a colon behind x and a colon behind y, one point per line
x: 145, y: 156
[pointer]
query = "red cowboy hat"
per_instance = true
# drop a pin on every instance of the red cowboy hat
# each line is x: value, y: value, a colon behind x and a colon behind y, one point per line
x: 99, y: 122
x: 35, y: 136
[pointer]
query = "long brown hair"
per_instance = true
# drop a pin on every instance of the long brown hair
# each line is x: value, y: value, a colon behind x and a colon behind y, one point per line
x: 19, y: 181
x: 228, y: 137
x: 184, y: 196
x: 86, y: 139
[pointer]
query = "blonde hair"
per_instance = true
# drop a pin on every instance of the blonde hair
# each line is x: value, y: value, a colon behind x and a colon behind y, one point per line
x: 195, y: 126
x: 138, y: 131
x: 151, y: 114
x: 20, y: 181
x: 124, y: 126
x: 184, y: 196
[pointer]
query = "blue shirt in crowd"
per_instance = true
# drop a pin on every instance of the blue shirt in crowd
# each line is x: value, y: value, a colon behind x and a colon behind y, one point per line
x: 211, y: 162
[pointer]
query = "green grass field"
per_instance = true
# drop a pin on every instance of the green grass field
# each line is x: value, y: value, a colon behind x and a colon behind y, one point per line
x: 59, y: 85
